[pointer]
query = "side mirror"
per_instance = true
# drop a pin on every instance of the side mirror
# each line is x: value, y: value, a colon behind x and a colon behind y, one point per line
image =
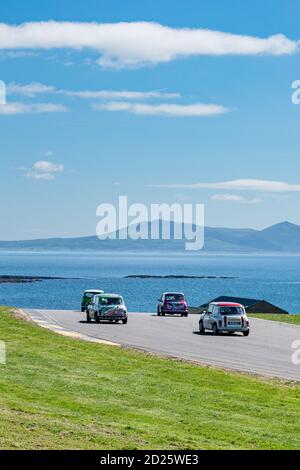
x: 204, y: 311
x: 158, y: 300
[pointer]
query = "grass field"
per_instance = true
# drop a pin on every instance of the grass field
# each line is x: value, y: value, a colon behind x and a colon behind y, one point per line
x: 58, y: 393
x: 293, y: 319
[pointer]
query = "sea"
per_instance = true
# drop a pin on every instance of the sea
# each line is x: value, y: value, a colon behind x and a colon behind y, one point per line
x: 273, y: 278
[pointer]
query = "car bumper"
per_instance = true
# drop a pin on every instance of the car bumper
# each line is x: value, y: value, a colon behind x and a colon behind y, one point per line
x: 175, y: 312
x: 234, y: 328
x: 112, y: 317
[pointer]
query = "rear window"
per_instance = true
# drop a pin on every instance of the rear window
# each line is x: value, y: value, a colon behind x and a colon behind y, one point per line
x: 231, y: 310
x: 174, y: 297
x: 110, y: 301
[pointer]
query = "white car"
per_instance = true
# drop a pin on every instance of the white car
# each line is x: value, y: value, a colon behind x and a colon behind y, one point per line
x: 109, y: 307
x: 224, y: 316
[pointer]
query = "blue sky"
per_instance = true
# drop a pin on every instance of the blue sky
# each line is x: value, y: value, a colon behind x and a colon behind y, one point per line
x: 161, y: 148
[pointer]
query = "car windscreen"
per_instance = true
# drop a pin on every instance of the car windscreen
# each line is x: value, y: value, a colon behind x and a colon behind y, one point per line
x: 231, y: 310
x: 110, y: 301
x: 174, y: 297
x: 88, y: 295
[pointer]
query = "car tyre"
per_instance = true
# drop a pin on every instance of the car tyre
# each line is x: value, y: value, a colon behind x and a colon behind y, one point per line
x: 158, y: 312
x: 215, y: 329
x: 97, y: 319
x: 246, y: 333
x: 201, y: 328
x: 125, y: 321
x: 88, y: 318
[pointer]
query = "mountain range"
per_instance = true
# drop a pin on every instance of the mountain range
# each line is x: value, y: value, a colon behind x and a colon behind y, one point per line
x: 281, y: 238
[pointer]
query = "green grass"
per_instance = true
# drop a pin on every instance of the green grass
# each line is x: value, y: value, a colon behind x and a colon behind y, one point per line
x: 58, y: 393
x: 293, y: 319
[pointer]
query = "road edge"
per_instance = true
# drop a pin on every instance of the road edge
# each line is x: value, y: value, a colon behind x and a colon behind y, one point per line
x: 56, y: 328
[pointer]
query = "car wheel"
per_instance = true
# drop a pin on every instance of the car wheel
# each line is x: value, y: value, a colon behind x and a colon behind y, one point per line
x: 88, y: 318
x: 163, y: 314
x: 246, y: 333
x: 201, y: 328
x: 158, y: 312
x: 215, y: 329
x: 186, y: 314
x: 125, y: 321
x: 97, y: 319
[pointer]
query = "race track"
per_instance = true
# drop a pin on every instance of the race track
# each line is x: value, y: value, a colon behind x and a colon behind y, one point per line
x: 266, y: 351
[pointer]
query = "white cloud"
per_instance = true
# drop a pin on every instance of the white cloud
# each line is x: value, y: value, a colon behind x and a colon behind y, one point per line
x: 31, y: 89
x: 43, y: 170
x: 240, y: 185
x: 119, y: 95
x: 39, y: 176
x: 11, y: 108
x: 163, y: 109
x: 18, y: 54
x: 138, y: 43
x: 44, y: 166
x: 35, y: 88
x: 234, y: 198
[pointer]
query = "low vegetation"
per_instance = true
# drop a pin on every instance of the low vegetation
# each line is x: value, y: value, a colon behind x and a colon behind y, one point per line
x: 293, y: 319
x: 58, y: 393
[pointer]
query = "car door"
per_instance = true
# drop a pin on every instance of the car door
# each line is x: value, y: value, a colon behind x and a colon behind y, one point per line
x: 207, y: 318
x: 161, y: 302
x: 93, y: 306
x: 96, y: 306
x: 214, y: 315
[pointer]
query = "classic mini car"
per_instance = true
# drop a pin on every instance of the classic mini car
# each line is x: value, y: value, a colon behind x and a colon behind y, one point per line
x: 172, y: 303
x: 87, y: 297
x: 224, y: 316
x: 108, y: 307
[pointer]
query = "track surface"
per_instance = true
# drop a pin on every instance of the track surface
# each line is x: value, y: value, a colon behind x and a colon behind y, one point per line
x: 267, y: 350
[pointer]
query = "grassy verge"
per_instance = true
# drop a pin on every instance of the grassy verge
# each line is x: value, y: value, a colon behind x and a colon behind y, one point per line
x: 58, y: 393
x: 293, y: 319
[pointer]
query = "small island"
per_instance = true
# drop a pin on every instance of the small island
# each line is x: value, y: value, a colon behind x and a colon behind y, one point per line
x: 25, y: 279
x: 174, y: 276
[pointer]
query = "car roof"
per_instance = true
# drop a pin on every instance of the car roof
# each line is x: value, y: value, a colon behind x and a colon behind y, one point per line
x: 94, y: 291
x: 110, y: 295
x: 226, y: 304
x: 173, y: 293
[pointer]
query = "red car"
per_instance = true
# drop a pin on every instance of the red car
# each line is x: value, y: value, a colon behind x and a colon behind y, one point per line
x: 172, y: 303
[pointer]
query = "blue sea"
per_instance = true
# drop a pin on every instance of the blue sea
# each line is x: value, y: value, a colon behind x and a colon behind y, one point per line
x: 273, y: 278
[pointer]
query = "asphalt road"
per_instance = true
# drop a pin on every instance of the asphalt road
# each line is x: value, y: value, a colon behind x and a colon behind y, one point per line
x: 267, y: 350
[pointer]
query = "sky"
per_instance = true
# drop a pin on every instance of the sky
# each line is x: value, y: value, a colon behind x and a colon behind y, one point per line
x: 163, y: 101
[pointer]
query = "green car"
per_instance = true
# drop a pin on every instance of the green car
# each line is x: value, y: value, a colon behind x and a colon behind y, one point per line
x: 87, y: 297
